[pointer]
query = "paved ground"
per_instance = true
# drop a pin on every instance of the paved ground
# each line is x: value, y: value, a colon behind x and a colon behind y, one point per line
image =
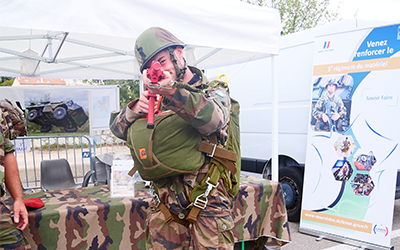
x: 301, y: 241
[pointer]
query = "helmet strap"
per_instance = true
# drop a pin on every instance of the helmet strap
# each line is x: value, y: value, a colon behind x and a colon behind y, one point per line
x: 179, y: 72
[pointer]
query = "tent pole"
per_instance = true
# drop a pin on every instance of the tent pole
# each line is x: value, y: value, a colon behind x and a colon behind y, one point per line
x: 274, y: 136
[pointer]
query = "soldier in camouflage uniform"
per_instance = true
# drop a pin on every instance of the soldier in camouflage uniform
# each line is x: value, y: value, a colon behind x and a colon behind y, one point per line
x: 329, y: 111
x: 207, y: 114
x: 11, y: 236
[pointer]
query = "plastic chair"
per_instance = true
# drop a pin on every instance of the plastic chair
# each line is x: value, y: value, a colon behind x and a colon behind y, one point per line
x: 100, y: 172
x: 56, y: 174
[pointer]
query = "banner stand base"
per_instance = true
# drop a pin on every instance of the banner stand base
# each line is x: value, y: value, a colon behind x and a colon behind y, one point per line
x: 349, y: 241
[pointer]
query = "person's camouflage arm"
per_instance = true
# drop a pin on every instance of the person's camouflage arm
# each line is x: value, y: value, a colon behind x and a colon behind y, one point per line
x: 317, y: 112
x: 342, y: 109
x: 207, y: 113
x: 120, y: 121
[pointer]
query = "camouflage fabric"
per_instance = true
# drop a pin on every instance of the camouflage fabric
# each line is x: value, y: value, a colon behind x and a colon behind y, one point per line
x: 87, y: 218
x: 15, y: 119
x: 207, y: 114
x: 119, y: 124
x: 328, y: 106
x: 6, y: 146
x: 259, y: 212
x: 10, y: 236
x: 213, y: 228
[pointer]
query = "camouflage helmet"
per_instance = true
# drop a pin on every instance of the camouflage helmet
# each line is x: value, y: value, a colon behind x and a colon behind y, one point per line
x: 331, y: 81
x: 151, y: 42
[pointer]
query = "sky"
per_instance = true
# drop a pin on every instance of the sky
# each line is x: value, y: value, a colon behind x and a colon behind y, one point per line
x: 382, y: 10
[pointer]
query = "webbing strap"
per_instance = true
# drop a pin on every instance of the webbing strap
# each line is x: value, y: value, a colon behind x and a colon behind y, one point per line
x: 172, y: 217
x: 214, y: 151
x: 202, y: 191
x: 194, y: 212
x: 132, y: 171
x: 166, y: 212
x: 224, y: 156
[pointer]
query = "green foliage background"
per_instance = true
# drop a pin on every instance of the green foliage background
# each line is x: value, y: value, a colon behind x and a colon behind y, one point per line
x: 297, y: 15
x: 6, y: 81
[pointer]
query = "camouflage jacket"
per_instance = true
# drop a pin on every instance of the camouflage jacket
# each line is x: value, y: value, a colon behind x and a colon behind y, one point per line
x: 208, y: 111
x: 6, y: 146
x: 334, y: 104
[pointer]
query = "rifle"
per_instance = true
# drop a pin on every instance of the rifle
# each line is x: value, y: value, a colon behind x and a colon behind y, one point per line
x: 155, y: 74
x: 330, y: 113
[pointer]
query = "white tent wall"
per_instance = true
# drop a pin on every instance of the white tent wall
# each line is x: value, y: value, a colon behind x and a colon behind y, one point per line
x: 95, y: 38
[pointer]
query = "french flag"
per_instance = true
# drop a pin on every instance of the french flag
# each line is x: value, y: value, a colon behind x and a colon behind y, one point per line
x: 326, y: 44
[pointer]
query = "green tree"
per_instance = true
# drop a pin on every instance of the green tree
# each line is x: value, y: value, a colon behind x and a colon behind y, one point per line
x: 128, y: 90
x: 297, y: 15
x: 6, y: 81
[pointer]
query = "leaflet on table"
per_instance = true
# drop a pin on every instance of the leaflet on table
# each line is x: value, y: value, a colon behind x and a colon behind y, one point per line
x: 121, y: 184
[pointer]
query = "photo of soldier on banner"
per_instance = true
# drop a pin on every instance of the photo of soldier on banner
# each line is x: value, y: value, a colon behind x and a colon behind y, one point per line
x: 331, y: 103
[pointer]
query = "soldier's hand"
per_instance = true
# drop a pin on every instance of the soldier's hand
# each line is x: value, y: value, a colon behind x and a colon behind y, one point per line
x: 20, y: 214
x: 325, y: 118
x: 144, y: 102
x: 164, y: 86
x: 335, y: 117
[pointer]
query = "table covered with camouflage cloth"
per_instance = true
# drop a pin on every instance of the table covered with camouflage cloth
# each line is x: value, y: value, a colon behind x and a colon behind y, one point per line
x: 87, y: 218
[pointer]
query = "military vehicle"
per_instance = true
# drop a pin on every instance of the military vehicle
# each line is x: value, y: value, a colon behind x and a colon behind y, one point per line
x: 67, y: 115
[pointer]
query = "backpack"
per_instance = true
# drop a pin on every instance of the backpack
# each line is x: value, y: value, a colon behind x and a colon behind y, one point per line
x: 226, y: 165
x: 172, y: 142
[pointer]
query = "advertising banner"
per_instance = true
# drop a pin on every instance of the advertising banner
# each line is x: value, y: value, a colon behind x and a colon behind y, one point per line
x: 352, y: 148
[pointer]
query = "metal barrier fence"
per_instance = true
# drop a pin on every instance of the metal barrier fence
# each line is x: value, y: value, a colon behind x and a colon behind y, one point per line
x: 78, y: 150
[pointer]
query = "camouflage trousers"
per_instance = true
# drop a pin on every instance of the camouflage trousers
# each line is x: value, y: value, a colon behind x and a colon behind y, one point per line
x: 10, y: 236
x: 212, y: 230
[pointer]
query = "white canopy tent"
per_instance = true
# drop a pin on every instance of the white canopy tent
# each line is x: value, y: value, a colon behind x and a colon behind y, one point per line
x: 94, y: 39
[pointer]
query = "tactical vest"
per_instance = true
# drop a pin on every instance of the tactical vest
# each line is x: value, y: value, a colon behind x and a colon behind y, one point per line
x: 173, y: 147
